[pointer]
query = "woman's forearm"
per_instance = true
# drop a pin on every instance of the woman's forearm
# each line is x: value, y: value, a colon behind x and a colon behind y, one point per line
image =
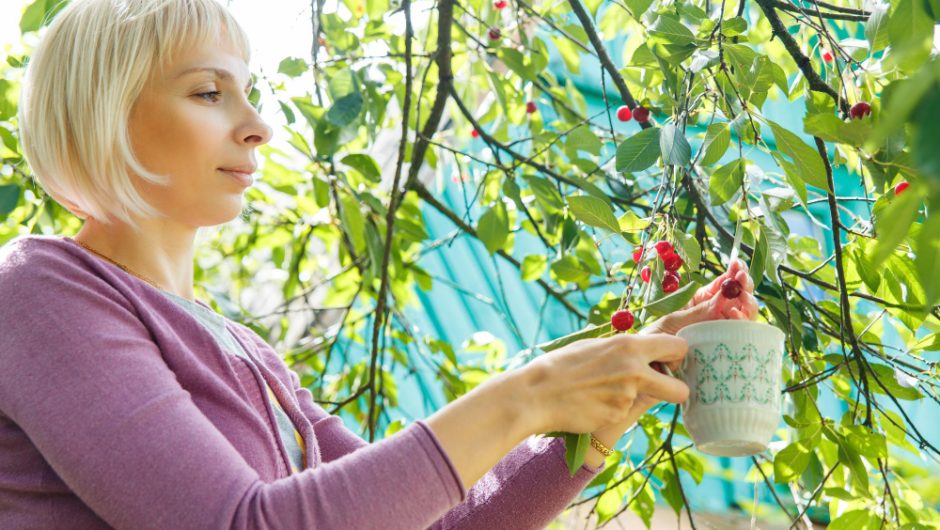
x: 479, y: 428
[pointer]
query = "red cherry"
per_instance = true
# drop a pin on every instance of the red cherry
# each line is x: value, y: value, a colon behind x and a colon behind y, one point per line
x: 495, y: 34
x: 672, y: 262
x: 530, y: 107
x: 475, y: 133
x: 624, y: 113
x: 500, y: 4
x: 642, y: 114
x: 646, y: 273
x: 827, y: 56
x: 903, y: 185
x: 731, y: 288
x: 860, y: 110
x: 664, y: 248
x: 622, y: 320
x: 670, y: 282
x: 637, y: 255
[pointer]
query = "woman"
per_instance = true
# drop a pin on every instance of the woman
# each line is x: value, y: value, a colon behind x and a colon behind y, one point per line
x: 127, y: 403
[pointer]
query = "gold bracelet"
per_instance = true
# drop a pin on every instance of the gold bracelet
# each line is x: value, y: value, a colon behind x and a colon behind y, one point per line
x: 596, y: 444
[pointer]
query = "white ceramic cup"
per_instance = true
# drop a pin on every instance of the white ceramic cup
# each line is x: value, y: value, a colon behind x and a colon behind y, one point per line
x: 733, y: 369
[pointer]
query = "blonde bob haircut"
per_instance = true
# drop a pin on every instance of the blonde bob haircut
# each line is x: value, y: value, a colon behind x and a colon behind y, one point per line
x: 81, y: 84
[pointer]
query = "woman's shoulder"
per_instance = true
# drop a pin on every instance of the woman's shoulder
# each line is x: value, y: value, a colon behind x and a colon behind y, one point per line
x: 33, y: 253
x: 47, y: 266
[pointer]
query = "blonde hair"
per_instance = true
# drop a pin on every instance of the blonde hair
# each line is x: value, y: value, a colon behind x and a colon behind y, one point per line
x: 81, y: 84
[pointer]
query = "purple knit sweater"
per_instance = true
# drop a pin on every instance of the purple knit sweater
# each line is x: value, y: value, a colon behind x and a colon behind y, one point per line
x: 119, y: 410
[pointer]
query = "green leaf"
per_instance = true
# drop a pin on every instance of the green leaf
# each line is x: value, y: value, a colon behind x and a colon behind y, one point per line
x: 876, y: 27
x: 673, y: 301
x: 9, y: 197
x: 576, y: 446
x: 734, y: 26
x: 593, y: 211
x: 670, y: 30
x: 34, y: 16
x: 759, y: 259
x: 638, y: 7
x: 924, y: 149
x: 689, y: 250
x: 365, y: 165
x: 345, y: 110
x: 855, y: 520
x: 807, y: 160
x: 638, y: 152
x: 675, y: 148
x: 726, y: 181
x: 584, y: 139
x: 533, y: 267
x: 292, y: 67
x: 832, y: 129
x: 569, y: 269
x: 717, y: 139
x: 928, y: 256
x: 893, y: 223
x: 493, y: 227
x: 586, y: 333
x: 791, y: 461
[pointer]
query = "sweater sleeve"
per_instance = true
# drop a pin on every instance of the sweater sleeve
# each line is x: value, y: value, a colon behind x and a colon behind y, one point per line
x: 526, y: 489
x: 84, y: 379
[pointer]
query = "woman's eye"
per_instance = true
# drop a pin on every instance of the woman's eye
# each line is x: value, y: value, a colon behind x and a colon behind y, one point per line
x: 210, y: 96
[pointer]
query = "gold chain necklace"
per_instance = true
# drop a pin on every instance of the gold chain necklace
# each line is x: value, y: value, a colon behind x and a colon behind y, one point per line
x: 123, y: 268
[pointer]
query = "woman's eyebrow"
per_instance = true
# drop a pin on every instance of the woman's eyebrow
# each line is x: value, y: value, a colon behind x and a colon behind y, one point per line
x: 220, y: 73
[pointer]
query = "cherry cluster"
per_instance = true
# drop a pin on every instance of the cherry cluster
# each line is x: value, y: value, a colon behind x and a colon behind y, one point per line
x: 671, y: 262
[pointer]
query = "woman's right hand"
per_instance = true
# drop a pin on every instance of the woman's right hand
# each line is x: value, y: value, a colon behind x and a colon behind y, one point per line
x: 592, y: 383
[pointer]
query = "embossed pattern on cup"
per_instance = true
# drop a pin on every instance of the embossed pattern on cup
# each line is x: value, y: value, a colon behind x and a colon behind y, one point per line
x: 733, y: 372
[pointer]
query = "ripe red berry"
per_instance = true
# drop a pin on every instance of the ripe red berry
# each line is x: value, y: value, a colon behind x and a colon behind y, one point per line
x: 646, y: 274
x: 670, y: 282
x: 860, y: 110
x: 903, y: 185
x: 664, y: 248
x: 500, y: 4
x: 495, y: 34
x: 530, y: 107
x: 622, y: 320
x: 672, y: 262
x: 624, y: 113
x: 827, y: 56
x: 731, y: 288
x: 637, y: 255
x: 475, y: 133
x: 642, y: 114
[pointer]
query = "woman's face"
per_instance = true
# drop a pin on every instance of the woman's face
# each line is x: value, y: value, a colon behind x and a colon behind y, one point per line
x: 188, y: 126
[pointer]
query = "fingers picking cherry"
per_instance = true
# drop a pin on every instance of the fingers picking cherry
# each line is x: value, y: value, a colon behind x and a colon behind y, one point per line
x: 860, y: 110
x: 622, y: 320
x: 646, y: 274
x: 624, y: 113
x: 903, y: 185
x: 672, y: 262
x: 641, y: 114
x: 731, y: 288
